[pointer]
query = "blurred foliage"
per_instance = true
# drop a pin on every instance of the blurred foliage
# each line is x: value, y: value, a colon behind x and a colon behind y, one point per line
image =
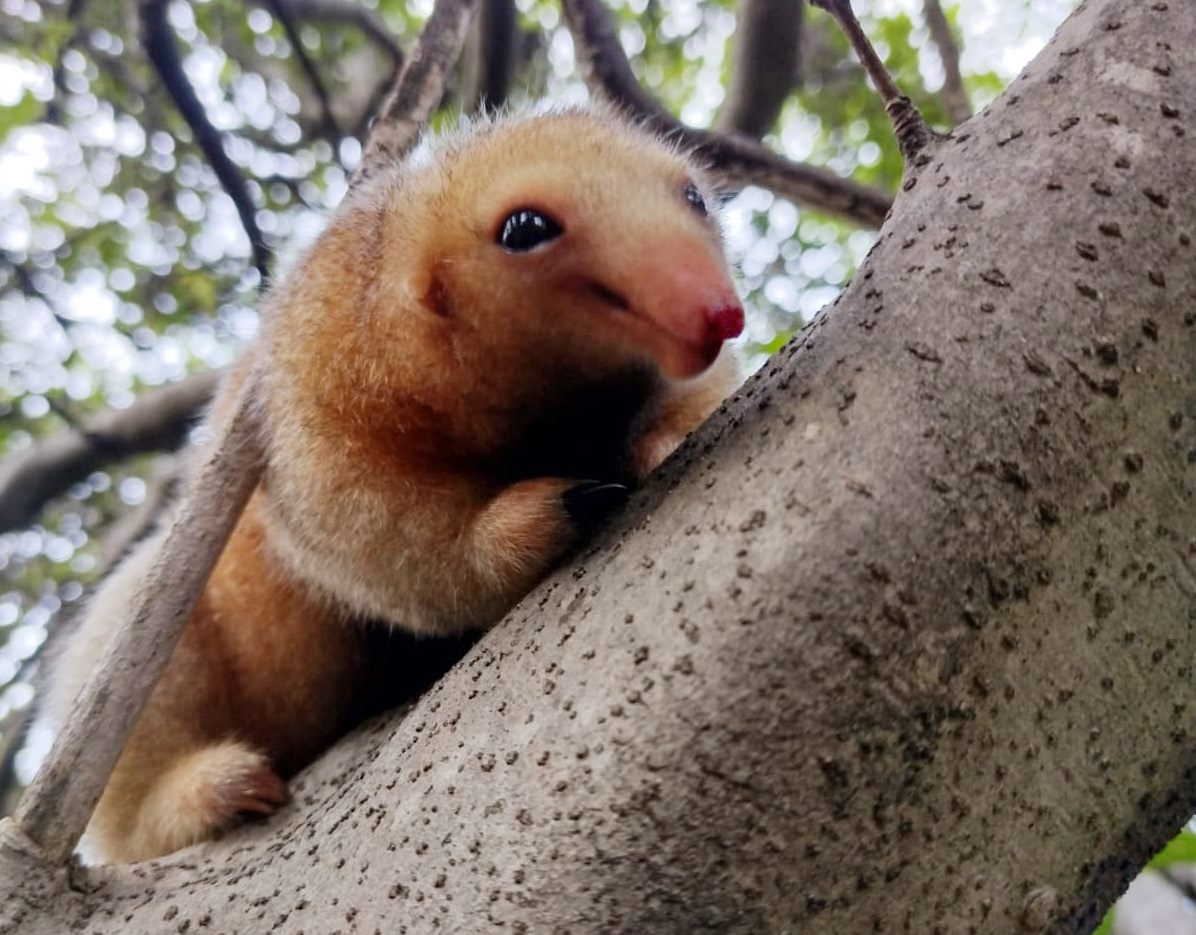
x: 1180, y: 851
x: 123, y: 264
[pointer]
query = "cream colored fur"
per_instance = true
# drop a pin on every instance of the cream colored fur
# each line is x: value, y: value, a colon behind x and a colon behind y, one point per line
x: 429, y: 397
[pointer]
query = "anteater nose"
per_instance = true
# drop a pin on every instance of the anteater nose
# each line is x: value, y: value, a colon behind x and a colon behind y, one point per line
x: 724, y: 321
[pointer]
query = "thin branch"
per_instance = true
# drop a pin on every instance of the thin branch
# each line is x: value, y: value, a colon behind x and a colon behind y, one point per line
x: 493, y: 59
x: 158, y: 421
x: 374, y: 28
x: 282, y: 11
x: 953, y: 94
x: 164, y: 54
x: 765, y: 68
x: 58, y: 803
x: 419, y: 87
x: 350, y: 14
x: 1185, y: 886
x: 134, y: 524
x: 912, y: 132
x: 737, y: 159
x: 14, y: 730
x: 74, y: 12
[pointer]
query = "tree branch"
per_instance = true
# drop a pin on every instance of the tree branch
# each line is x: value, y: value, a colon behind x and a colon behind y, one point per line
x: 58, y: 803
x: 375, y: 29
x: 350, y: 14
x: 765, y: 68
x: 135, y: 523
x: 953, y: 94
x: 14, y: 730
x: 418, y: 89
x: 493, y: 59
x: 157, y: 421
x: 283, y: 12
x: 735, y: 158
x: 909, y: 127
x: 162, y: 51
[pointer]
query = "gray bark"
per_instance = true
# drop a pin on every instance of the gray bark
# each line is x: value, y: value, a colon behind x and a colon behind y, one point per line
x: 901, y: 642
x: 766, y: 65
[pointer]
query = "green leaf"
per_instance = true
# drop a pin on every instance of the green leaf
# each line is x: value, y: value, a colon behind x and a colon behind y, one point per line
x: 22, y: 112
x: 1181, y: 849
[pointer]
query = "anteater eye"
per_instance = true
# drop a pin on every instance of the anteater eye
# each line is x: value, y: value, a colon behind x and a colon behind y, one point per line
x: 527, y: 229
x: 694, y: 197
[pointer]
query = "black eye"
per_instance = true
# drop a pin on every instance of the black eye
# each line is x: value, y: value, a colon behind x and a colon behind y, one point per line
x: 695, y: 199
x: 526, y: 229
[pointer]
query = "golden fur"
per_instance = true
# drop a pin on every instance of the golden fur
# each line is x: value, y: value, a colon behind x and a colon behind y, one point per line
x: 429, y: 397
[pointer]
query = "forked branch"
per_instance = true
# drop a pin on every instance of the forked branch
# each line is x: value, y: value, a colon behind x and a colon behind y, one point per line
x: 286, y: 17
x: 736, y: 159
x: 351, y: 14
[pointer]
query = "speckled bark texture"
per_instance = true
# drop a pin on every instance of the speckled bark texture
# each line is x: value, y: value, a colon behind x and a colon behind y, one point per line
x: 903, y: 642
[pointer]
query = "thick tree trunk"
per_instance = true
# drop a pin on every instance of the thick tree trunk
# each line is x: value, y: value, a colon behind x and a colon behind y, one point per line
x: 903, y: 642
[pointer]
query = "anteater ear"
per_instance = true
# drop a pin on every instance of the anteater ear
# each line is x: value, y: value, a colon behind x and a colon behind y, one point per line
x: 427, y: 287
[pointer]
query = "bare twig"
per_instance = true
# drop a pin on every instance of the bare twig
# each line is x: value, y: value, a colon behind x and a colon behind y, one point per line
x: 911, y: 130
x: 349, y: 14
x: 1181, y: 883
x: 134, y: 524
x: 157, y: 421
x: 282, y: 10
x: 737, y: 159
x: 493, y: 57
x: 164, y: 54
x: 765, y: 67
x: 13, y: 732
x: 953, y: 94
x: 56, y: 807
x: 74, y: 12
x: 419, y: 87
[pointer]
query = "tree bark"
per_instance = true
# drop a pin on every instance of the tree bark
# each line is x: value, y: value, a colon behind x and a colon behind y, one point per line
x: 900, y: 642
x: 765, y: 66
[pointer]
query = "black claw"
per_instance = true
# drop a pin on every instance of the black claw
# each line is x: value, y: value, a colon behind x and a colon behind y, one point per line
x: 592, y: 501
